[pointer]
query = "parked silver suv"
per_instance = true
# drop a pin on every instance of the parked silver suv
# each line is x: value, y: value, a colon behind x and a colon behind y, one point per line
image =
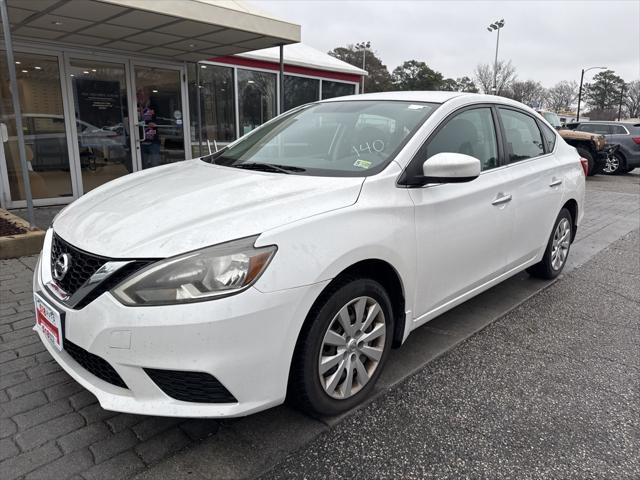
x: 624, y: 134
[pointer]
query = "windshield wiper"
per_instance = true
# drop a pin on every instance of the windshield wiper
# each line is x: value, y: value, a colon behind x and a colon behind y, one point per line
x: 268, y: 167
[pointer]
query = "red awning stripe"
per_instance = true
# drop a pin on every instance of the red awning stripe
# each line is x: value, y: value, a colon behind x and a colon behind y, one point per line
x: 294, y: 69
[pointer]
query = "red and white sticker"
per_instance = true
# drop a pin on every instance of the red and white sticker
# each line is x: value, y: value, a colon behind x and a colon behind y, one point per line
x: 48, y: 321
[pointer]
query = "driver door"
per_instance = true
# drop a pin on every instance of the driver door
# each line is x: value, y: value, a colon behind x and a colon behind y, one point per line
x: 463, y: 229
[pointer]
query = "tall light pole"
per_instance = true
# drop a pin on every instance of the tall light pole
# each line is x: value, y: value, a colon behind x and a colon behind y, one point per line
x: 364, y: 46
x: 580, y: 90
x: 621, y: 100
x: 496, y: 26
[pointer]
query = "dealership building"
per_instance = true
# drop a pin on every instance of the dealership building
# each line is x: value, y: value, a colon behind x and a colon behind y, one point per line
x: 109, y: 87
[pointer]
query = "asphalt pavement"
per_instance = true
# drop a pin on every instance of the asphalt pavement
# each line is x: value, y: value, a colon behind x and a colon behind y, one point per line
x: 550, y: 390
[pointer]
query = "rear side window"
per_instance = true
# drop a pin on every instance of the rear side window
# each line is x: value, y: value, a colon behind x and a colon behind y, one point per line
x: 618, y: 130
x: 549, y: 137
x: 471, y: 132
x: 522, y: 135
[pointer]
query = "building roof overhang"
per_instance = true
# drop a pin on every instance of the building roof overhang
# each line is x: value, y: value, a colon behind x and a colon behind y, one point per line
x: 179, y: 30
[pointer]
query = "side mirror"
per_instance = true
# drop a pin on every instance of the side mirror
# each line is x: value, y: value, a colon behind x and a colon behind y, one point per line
x: 450, y: 168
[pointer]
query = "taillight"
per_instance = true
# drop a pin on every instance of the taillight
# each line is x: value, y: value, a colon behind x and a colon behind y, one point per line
x: 585, y: 166
x: 636, y: 139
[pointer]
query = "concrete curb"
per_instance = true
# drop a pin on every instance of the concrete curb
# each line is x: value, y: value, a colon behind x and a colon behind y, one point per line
x: 14, y: 246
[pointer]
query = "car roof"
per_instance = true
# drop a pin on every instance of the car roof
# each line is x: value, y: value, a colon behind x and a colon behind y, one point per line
x: 421, y: 96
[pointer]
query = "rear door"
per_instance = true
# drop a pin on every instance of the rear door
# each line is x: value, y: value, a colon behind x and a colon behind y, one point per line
x: 534, y: 181
x: 463, y: 230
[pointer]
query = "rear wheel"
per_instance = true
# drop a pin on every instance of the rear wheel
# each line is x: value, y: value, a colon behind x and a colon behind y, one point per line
x: 584, y: 153
x: 557, y: 251
x: 343, y: 348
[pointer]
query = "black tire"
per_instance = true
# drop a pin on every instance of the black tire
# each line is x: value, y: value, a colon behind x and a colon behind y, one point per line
x: 305, y: 390
x: 618, y: 167
x: 584, y: 153
x: 545, y: 268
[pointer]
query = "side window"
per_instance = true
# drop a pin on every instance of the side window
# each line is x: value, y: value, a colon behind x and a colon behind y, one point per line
x: 521, y: 134
x: 595, y: 128
x: 471, y: 132
x: 549, y: 137
x: 618, y: 130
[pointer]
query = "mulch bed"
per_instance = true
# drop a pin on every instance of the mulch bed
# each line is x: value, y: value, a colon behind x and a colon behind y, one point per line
x: 8, y: 228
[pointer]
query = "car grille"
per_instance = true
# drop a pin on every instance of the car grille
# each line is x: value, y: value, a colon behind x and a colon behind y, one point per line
x: 94, y: 364
x: 191, y: 386
x: 82, y: 266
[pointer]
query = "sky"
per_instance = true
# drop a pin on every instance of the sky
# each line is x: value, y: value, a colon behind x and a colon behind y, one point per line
x: 547, y: 41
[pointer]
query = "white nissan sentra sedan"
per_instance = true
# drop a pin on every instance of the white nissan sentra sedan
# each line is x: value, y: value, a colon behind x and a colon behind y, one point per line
x: 288, y: 264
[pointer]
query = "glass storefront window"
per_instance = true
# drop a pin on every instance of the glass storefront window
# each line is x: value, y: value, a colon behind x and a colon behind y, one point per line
x: 257, y: 101
x: 300, y: 90
x: 102, y: 121
x: 43, y: 124
x: 159, y: 103
x: 217, y: 108
x: 337, y: 89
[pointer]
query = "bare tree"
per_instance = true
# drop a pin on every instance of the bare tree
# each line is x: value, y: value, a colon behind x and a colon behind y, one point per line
x: 505, y: 75
x: 562, y: 95
x: 632, y: 99
x: 529, y: 92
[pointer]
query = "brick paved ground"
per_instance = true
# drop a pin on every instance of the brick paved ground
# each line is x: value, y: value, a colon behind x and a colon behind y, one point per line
x: 51, y: 428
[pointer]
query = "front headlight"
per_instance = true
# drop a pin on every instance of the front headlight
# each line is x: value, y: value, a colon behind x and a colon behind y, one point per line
x: 204, y: 274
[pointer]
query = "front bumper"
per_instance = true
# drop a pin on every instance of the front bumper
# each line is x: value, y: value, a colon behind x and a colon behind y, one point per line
x: 246, y: 341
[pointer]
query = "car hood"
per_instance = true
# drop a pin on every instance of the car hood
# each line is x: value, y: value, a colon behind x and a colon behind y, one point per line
x: 188, y: 205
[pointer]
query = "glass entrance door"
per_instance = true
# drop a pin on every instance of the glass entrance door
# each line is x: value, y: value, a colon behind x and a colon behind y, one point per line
x: 102, y: 120
x: 45, y: 132
x: 160, y: 116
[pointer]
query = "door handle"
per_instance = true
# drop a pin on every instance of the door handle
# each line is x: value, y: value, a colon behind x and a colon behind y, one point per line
x: 501, y: 199
x: 142, y: 131
x: 555, y: 182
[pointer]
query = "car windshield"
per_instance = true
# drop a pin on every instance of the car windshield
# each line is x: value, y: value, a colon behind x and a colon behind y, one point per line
x: 552, y: 118
x: 340, y: 138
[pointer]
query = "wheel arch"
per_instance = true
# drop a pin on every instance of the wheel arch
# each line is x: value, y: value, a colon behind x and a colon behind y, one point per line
x: 382, y: 272
x: 572, y: 206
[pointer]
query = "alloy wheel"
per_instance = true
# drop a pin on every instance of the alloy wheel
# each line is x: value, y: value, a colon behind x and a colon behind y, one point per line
x: 612, y: 164
x: 560, y: 244
x: 352, y: 348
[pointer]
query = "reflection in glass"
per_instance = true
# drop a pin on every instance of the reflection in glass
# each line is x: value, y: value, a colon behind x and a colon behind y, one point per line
x: 300, y: 90
x: 217, y: 108
x: 337, y: 89
x: 102, y: 121
x: 159, y: 101
x: 43, y: 125
x: 256, y: 99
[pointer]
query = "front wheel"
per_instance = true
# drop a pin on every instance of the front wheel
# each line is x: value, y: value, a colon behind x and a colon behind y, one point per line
x: 343, y: 348
x: 614, y: 165
x: 557, y: 251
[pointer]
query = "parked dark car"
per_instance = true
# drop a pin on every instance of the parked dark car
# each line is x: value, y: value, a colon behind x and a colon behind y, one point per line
x: 624, y: 134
